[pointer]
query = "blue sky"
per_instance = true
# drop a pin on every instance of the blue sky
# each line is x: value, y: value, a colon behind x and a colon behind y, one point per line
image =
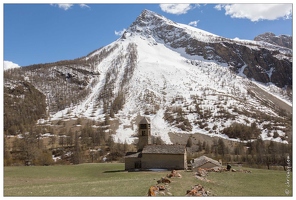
x: 42, y: 33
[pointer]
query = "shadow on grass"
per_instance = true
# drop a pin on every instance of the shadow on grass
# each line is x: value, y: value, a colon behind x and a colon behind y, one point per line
x: 134, y: 170
x: 114, y: 171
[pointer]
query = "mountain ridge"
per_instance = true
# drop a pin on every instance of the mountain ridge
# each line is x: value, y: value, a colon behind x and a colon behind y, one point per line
x: 238, y: 54
x: 159, y: 68
x: 281, y: 40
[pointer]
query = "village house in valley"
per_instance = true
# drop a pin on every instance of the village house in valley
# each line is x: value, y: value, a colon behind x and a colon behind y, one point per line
x: 205, y: 163
x: 153, y: 156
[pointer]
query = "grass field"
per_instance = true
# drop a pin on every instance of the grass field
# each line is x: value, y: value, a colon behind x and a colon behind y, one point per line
x: 110, y: 179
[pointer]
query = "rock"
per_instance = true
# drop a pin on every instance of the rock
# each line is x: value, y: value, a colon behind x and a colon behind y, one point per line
x: 174, y: 173
x: 152, y: 191
x: 197, y: 190
x: 163, y: 180
x: 161, y: 187
x: 201, y: 172
x: 281, y: 40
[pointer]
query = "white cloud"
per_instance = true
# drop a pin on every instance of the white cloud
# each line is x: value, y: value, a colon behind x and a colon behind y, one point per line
x: 193, y: 23
x: 175, y: 8
x: 218, y: 7
x: 119, y: 33
x: 82, y: 5
x: 256, y: 12
x: 64, y: 6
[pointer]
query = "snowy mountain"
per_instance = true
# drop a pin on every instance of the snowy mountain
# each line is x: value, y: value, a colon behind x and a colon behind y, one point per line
x: 9, y: 65
x: 281, y: 40
x: 184, y: 79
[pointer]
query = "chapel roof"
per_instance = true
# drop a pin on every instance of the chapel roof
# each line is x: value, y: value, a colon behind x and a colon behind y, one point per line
x: 164, y: 149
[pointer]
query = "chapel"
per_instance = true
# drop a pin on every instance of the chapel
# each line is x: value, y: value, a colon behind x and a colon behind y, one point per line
x: 153, y: 156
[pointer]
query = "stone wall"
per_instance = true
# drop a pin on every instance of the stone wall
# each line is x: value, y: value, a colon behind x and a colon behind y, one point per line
x: 164, y: 161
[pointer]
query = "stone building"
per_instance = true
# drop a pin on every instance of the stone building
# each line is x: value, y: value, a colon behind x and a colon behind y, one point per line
x: 152, y: 156
x: 205, y: 163
x: 164, y: 157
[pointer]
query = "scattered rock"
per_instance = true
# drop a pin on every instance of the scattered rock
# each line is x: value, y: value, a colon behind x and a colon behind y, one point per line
x: 201, y: 172
x: 160, y: 190
x: 197, y: 190
x: 164, y: 180
x: 174, y: 173
x: 161, y: 187
x: 152, y: 191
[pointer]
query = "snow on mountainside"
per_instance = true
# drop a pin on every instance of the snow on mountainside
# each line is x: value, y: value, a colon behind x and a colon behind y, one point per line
x: 180, y: 78
x: 238, y: 54
x: 9, y: 65
x: 166, y: 78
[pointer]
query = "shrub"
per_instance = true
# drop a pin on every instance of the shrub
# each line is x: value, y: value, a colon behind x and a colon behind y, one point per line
x: 242, y: 131
x: 275, y: 134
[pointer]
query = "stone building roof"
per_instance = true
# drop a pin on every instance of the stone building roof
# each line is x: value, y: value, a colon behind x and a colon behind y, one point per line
x: 164, y: 149
x: 204, y: 159
x: 144, y: 121
x: 133, y: 154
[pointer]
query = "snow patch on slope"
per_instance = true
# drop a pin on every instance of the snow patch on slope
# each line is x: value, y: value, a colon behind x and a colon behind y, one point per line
x: 160, y: 76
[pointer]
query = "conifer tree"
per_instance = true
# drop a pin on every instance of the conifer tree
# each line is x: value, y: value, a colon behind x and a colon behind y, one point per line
x: 189, y: 142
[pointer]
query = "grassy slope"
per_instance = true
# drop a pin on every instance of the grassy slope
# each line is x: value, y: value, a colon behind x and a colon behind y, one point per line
x: 110, y: 180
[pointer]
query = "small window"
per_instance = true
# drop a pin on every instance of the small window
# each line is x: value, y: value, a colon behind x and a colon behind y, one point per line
x: 143, y: 132
x: 143, y: 126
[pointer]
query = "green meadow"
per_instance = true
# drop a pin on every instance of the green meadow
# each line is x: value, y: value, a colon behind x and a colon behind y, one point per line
x: 110, y: 179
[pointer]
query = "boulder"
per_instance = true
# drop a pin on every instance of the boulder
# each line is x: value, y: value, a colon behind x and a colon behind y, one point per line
x: 197, y: 190
x: 161, y: 187
x: 201, y: 172
x: 174, y: 173
x: 163, y: 180
x: 152, y: 191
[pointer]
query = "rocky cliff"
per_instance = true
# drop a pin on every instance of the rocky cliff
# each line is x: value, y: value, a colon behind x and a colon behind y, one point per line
x: 281, y: 40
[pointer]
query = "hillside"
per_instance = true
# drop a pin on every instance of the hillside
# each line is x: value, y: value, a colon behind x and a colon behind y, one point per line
x: 185, y: 80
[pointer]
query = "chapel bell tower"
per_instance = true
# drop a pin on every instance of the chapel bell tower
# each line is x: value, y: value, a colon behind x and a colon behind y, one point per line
x: 144, y: 133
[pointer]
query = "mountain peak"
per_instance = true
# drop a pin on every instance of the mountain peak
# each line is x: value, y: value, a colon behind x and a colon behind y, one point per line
x: 148, y: 12
x: 152, y: 25
x: 147, y: 21
x: 281, y: 40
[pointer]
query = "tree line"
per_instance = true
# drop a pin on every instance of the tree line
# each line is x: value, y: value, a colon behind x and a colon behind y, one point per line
x: 89, y: 143
x: 23, y: 106
x: 257, y: 153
